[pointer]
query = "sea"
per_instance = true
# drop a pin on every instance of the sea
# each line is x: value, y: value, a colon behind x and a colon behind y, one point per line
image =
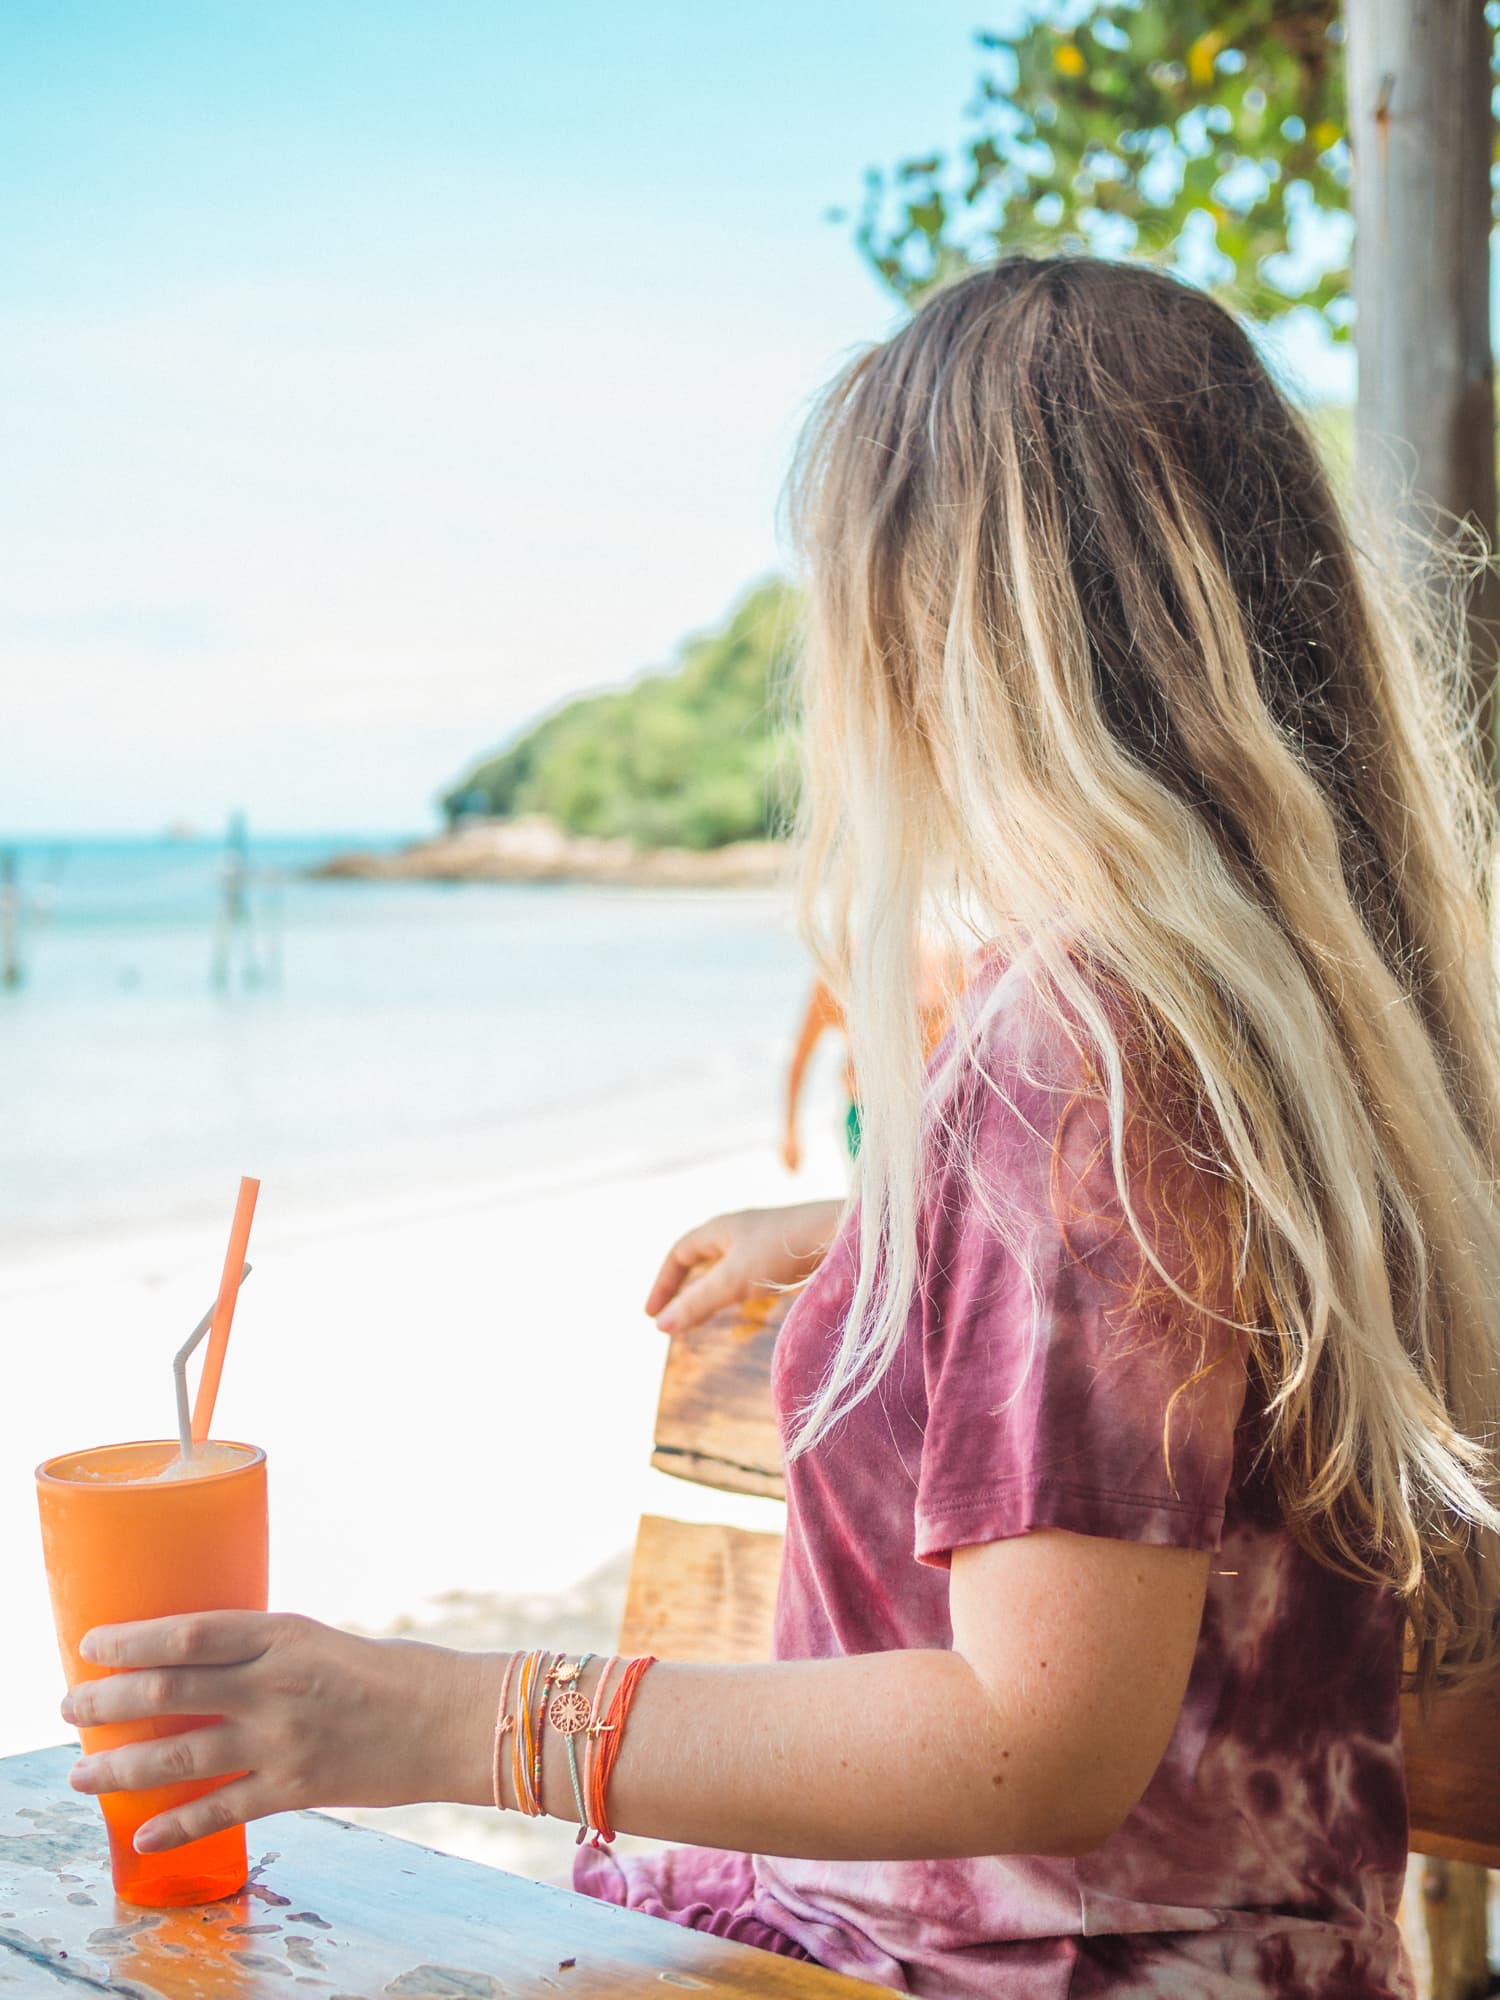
x: 348, y: 1038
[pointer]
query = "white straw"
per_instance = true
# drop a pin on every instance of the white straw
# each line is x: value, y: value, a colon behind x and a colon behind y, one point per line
x: 179, y: 1375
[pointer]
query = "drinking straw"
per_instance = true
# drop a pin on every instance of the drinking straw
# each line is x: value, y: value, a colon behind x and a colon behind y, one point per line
x: 229, y: 1285
x: 180, y: 1361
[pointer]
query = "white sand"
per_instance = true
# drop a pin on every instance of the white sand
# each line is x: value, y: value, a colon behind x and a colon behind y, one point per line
x: 455, y: 1394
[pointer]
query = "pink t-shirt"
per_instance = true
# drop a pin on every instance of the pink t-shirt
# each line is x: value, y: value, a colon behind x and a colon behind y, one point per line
x: 1266, y: 1856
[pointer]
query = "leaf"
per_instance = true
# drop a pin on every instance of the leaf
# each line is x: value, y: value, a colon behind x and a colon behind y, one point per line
x: 1200, y: 58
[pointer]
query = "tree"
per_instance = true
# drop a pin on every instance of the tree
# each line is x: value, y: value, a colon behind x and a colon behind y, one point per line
x: 1184, y: 130
x: 1215, y: 138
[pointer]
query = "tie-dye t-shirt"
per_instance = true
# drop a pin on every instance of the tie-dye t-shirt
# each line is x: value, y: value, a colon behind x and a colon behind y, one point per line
x: 1040, y: 1384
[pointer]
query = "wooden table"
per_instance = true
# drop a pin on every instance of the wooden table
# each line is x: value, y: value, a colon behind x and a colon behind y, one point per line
x: 339, y: 1911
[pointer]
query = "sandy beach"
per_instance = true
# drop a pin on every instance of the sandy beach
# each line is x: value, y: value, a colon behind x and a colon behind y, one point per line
x: 455, y: 1392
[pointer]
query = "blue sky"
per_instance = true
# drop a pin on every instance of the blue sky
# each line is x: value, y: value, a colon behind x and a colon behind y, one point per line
x: 380, y: 373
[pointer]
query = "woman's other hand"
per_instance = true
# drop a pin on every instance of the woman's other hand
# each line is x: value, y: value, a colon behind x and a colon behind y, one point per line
x: 725, y: 1259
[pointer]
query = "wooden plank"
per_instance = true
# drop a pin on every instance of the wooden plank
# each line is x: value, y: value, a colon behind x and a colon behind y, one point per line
x: 1447, y: 1847
x: 341, y: 1910
x: 714, y: 1422
x: 700, y: 1592
x: 1453, y: 1774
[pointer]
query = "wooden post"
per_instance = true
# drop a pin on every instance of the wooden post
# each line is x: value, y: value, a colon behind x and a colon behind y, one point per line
x: 1420, y: 126
x: 234, y: 925
x: 10, y: 920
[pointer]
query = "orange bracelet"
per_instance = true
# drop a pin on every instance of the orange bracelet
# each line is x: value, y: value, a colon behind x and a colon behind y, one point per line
x: 525, y: 1750
x: 591, y: 1741
x: 544, y: 1682
x: 613, y: 1730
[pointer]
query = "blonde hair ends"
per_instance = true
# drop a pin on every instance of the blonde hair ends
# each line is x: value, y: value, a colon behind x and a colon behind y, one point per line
x: 1097, y: 671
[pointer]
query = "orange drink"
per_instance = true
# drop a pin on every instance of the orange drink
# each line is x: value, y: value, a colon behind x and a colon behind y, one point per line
x: 133, y: 1531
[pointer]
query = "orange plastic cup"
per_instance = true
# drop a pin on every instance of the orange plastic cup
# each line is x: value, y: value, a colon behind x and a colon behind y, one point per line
x: 117, y: 1551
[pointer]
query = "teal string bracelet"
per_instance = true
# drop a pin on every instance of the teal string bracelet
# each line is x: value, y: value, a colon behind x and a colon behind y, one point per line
x: 569, y: 1715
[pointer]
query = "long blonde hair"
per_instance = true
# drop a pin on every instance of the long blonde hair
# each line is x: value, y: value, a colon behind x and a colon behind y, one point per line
x: 1095, y: 669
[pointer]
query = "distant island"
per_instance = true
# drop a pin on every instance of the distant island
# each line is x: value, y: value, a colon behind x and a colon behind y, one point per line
x: 686, y: 777
x: 695, y: 757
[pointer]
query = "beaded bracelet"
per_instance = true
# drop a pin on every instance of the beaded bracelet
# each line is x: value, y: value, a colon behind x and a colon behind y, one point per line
x: 543, y: 1680
x: 518, y: 1735
x: 609, y: 1748
x: 526, y: 1752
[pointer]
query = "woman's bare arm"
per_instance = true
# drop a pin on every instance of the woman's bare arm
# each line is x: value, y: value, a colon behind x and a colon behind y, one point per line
x: 1036, y: 1734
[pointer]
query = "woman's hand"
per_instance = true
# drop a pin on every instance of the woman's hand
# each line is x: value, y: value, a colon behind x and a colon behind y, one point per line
x: 305, y: 1716
x: 725, y: 1259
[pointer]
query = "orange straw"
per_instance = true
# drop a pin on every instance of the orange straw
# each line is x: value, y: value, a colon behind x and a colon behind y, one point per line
x: 229, y: 1291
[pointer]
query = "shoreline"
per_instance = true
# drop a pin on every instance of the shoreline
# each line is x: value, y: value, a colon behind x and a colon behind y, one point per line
x: 533, y: 849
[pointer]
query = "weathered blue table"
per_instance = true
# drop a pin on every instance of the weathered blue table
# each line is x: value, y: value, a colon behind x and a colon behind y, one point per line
x: 336, y: 1910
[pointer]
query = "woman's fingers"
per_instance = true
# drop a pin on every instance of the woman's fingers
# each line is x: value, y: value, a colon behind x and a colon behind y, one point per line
x: 700, y: 1246
x: 665, y: 1284
x: 720, y: 1284
x: 234, y: 1804
x: 209, y: 1752
x: 194, y: 1638
x: 151, y: 1692
x: 314, y: 1715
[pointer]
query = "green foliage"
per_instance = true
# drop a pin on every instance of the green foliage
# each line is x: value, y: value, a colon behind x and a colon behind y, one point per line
x: 1196, y: 133
x: 695, y: 757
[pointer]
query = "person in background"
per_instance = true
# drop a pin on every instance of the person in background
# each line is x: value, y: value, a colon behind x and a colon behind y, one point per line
x: 1141, y: 1403
x: 940, y: 977
x: 821, y: 1014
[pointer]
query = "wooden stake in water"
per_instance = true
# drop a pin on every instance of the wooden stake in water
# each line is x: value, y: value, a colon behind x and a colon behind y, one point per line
x: 180, y: 1361
x: 10, y: 920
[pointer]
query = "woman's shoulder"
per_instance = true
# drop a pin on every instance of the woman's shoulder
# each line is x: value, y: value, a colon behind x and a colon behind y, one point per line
x: 1062, y: 1094
x: 1043, y: 1025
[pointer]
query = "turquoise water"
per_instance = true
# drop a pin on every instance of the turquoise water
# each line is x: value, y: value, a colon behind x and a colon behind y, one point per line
x: 387, y: 1037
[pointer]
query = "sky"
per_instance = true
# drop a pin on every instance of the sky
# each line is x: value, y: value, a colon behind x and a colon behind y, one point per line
x: 382, y: 371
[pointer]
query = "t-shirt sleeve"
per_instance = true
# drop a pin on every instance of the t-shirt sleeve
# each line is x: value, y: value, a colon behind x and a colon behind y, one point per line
x: 1068, y: 1385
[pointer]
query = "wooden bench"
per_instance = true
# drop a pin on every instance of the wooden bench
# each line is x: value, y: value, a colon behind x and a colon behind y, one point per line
x: 699, y: 1591
x: 705, y: 1592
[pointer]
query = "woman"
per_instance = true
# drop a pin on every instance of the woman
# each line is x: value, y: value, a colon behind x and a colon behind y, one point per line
x: 1144, y: 1397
